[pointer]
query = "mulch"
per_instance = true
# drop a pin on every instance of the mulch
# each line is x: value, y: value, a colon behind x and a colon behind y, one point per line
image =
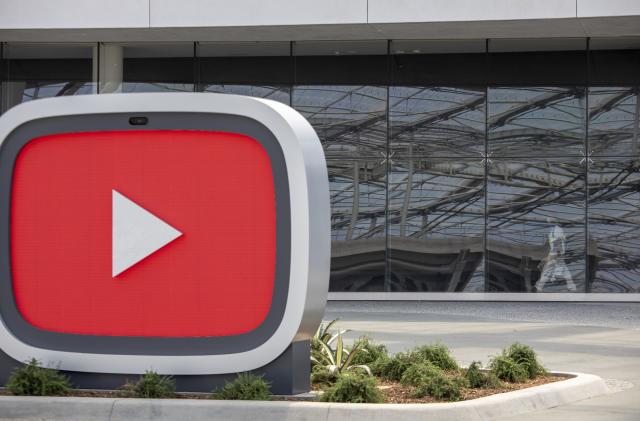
x: 394, y: 392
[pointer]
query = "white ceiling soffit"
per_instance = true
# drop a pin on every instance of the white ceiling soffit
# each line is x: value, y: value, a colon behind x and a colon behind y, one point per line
x: 285, y: 20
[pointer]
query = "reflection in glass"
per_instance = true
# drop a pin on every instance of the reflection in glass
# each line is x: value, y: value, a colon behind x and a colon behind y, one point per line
x: 358, y: 202
x: 535, y: 226
x: 614, y: 225
x: 154, y: 67
x: 536, y: 121
x: 437, y: 121
x: 436, y: 225
x: 350, y: 120
x: 613, y: 121
x: 276, y: 93
x: 34, y: 71
x: 258, y: 69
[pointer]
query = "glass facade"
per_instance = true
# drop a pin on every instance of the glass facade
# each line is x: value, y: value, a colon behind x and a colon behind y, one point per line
x: 454, y: 166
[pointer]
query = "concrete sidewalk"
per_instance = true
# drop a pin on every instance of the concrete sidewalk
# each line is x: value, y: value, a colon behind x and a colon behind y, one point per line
x: 597, y: 338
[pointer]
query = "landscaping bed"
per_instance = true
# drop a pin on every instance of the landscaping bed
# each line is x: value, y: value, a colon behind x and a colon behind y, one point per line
x: 395, y: 392
x: 363, y: 372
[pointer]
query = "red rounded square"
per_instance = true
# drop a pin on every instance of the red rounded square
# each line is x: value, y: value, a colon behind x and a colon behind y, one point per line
x: 217, y: 188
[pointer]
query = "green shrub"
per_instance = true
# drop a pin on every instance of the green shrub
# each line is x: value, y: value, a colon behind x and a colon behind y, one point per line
x: 246, y: 386
x: 507, y: 369
x: 476, y: 378
x: 492, y: 381
x: 441, y: 387
x: 340, y: 359
x: 525, y: 356
x: 372, y: 352
x: 151, y: 385
x: 419, y: 373
x: 379, y: 365
x: 393, y: 368
x: 437, y: 354
x: 323, y: 377
x: 353, y: 388
x: 322, y: 339
x: 34, y: 380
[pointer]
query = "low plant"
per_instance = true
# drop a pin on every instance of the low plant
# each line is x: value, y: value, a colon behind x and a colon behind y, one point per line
x: 525, y: 356
x: 507, y: 369
x: 353, y: 388
x: 393, y: 368
x: 323, y: 337
x: 476, y: 378
x: 339, y: 359
x: 151, y: 385
x: 246, y: 386
x: 322, y: 377
x: 419, y: 373
x: 437, y: 354
x: 441, y: 387
x: 34, y: 380
x: 372, y: 351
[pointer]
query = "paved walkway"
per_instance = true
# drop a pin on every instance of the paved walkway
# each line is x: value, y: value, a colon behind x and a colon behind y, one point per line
x: 598, y: 338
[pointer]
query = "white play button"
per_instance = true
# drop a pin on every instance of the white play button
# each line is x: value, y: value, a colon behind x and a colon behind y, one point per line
x: 136, y: 233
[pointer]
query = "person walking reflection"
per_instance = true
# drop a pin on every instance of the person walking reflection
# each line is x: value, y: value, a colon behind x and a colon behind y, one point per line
x: 554, y: 267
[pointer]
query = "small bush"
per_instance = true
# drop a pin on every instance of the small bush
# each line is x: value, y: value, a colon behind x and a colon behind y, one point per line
x: 492, y: 381
x: 151, y: 385
x: 437, y: 354
x: 441, y: 387
x: 34, y: 380
x: 379, y: 365
x: 372, y: 351
x: 525, y: 356
x: 323, y: 377
x: 507, y: 369
x: 419, y: 373
x: 353, y: 388
x: 247, y: 387
x: 394, y: 367
x: 476, y: 378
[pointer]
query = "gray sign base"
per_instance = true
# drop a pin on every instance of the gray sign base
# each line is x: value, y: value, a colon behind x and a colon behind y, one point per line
x: 288, y: 374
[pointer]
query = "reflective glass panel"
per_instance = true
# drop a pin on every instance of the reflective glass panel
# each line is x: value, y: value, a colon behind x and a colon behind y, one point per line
x: 536, y: 121
x: 439, y: 62
x: 536, y: 225
x: 614, y: 121
x: 614, y: 61
x: 341, y: 62
x: 358, y: 205
x: 33, y: 71
x: 614, y: 225
x: 155, y: 67
x: 258, y: 69
x: 276, y: 93
x: 437, y: 121
x: 350, y: 120
x: 436, y: 225
x: 537, y: 62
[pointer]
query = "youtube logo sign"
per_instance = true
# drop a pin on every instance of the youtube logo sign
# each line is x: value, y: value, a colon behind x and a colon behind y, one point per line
x: 184, y: 233
x: 153, y: 233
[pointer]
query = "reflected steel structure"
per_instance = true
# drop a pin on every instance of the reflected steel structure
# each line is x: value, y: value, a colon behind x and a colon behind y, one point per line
x: 446, y: 185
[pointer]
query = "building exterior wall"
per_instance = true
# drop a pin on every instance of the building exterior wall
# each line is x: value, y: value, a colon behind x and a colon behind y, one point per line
x: 477, y: 148
x: 38, y: 14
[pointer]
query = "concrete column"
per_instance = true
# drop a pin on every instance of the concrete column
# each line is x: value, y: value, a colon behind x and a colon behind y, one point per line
x: 107, y: 68
x: 12, y: 94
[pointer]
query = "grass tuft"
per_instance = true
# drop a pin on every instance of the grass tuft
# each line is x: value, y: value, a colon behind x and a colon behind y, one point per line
x: 34, y: 380
x: 247, y: 387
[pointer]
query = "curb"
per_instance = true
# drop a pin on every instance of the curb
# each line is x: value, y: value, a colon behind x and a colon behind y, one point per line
x: 579, y: 386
